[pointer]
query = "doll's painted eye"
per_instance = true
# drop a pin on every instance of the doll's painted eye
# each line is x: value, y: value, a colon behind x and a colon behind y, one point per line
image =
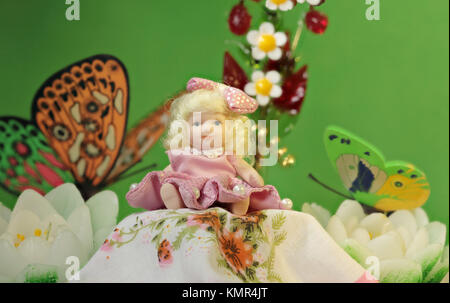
x: 196, y: 123
x: 217, y: 123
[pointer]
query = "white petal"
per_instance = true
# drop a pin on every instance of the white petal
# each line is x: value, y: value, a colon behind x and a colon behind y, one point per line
x: 376, y: 224
x: 253, y: 37
x: 361, y: 235
x: 65, y: 245
x: 301, y: 1
x: 257, y: 75
x: 406, y: 236
x: 357, y: 251
x: 262, y: 100
x: 5, y: 213
x: 440, y: 270
x: 250, y: 89
x: 288, y: 5
x: 275, y: 54
x: 273, y: 76
x: 11, y: 262
x: 321, y: 214
x: 336, y: 229
x: 400, y: 271
x: 258, y: 54
x: 436, y: 232
x: 104, y: 208
x: 270, y: 5
x: 419, y: 242
x: 351, y: 224
x: 80, y: 223
x: 428, y: 257
x: 314, y: 2
x: 65, y: 199
x: 34, y: 202
x: 406, y: 219
x: 34, y: 250
x: 280, y: 38
x: 5, y: 279
x: 267, y: 28
x: 421, y: 217
x: 55, y: 223
x: 398, y: 239
x: 101, y: 235
x: 386, y: 247
x: 3, y: 226
x: 276, y: 91
x: 349, y: 209
x: 24, y: 222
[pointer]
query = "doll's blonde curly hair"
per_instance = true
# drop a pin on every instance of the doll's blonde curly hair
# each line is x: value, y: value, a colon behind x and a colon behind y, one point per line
x: 203, y: 101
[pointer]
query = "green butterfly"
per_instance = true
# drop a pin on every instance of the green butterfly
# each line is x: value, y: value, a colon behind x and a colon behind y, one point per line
x: 371, y: 181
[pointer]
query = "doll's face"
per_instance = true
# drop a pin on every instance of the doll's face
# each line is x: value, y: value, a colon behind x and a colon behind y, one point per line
x: 207, y: 130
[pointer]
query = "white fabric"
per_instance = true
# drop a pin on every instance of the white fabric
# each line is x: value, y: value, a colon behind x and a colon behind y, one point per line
x: 290, y: 247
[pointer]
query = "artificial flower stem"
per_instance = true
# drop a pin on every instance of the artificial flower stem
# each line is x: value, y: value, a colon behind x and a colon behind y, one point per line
x: 126, y: 176
x: 328, y: 187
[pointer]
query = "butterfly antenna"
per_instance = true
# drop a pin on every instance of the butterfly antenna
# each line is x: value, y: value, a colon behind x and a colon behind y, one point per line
x: 126, y: 176
x: 328, y: 187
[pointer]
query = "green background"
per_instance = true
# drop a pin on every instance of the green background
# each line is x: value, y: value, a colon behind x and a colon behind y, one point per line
x: 385, y: 80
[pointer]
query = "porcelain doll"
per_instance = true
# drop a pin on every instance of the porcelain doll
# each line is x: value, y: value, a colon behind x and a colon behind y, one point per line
x: 200, y: 175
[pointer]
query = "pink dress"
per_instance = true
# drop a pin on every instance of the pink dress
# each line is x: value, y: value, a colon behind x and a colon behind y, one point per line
x: 201, y: 181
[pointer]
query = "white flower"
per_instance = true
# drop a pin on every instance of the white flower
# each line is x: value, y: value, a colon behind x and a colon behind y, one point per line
x: 310, y: 2
x: 266, y: 42
x: 264, y: 86
x: 41, y: 232
x: 282, y: 5
x: 408, y: 246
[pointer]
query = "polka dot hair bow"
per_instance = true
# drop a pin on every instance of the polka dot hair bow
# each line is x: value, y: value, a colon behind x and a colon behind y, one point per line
x: 237, y: 100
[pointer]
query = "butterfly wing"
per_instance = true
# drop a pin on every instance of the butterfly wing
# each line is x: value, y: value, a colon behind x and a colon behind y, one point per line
x: 82, y: 111
x: 365, y: 174
x: 359, y: 164
x: 406, y: 187
x: 26, y: 160
x: 140, y: 140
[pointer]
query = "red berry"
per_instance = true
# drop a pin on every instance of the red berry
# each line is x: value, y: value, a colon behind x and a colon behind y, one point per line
x: 316, y: 21
x: 233, y: 74
x: 294, y: 89
x: 239, y: 19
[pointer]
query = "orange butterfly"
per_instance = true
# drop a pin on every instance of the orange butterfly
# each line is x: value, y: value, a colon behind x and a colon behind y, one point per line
x: 78, y: 131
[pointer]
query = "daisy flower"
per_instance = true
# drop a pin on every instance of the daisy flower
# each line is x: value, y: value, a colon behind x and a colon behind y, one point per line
x: 264, y: 86
x: 310, y: 2
x: 266, y: 42
x: 282, y: 5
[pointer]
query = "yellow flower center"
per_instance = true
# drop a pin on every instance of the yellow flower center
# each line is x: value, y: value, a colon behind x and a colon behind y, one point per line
x: 263, y: 87
x: 20, y: 239
x: 278, y: 2
x: 37, y: 232
x: 267, y: 43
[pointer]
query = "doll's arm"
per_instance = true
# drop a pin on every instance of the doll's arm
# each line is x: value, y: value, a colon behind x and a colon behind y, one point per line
x: 247, y: 172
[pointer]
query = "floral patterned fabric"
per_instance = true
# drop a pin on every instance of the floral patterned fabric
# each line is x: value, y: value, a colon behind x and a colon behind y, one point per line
x: 214, y: 245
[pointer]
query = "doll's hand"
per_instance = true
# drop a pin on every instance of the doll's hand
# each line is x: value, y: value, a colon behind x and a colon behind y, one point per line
x: 247, y: 172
